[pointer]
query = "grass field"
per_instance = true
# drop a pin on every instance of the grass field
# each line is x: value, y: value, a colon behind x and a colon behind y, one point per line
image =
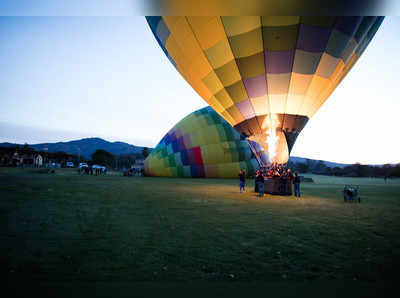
x: 64, y: 227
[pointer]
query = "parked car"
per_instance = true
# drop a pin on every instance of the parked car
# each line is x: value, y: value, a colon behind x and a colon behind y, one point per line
x: 83, y: 165
x: 98, y: 167
x: 54, y: 165
x: 69, y: 164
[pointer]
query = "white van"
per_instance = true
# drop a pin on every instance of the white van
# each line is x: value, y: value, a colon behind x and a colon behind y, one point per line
x: 83, y: 165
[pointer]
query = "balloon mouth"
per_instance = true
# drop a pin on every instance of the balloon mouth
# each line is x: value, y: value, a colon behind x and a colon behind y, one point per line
x: 274, y: 143
x: 275, y: 133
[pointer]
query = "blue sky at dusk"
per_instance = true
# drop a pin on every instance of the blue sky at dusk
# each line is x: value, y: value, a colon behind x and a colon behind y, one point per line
x: 65, y: 78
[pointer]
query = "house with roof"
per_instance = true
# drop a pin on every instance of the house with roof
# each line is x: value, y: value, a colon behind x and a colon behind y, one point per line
x: 38, y: 161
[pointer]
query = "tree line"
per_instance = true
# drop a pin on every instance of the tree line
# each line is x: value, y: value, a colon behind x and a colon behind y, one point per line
x: 100, y: 156
x: 104, y: 157
x: 354, y: 170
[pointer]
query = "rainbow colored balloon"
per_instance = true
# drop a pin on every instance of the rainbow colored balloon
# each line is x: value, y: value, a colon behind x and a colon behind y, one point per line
x: 267, y: 76
x: 203, y: 144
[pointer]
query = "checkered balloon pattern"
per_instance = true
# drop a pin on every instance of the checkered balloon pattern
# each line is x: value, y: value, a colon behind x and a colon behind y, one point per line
x: 264, y: 72
x: 203, y: 144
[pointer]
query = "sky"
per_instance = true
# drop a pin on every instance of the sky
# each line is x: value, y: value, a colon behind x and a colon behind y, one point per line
x: 65, y: 78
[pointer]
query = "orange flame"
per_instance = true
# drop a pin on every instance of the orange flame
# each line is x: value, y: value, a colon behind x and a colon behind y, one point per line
x: 270, y: 124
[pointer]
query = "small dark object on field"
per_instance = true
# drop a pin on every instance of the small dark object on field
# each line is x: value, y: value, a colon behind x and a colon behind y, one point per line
x: 46, y: 171
x: 306, y: 179
x: 350, y: 193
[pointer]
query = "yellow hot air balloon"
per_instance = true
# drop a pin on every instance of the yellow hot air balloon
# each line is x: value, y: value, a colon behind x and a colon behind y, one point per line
x: 267, y: 76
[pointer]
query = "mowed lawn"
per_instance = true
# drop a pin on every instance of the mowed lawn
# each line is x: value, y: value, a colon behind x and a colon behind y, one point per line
x: 66, y: 227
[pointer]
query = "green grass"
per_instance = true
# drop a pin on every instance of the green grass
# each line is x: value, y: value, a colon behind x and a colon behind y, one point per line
x: 66, y: 227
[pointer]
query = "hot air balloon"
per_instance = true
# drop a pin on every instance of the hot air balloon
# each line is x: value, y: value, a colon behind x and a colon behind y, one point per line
x: 203, y: 144
x: 267, y: 76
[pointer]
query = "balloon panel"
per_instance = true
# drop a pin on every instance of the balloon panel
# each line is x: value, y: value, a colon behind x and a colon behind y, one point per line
x: 203, y: 144
x: 247, y: 68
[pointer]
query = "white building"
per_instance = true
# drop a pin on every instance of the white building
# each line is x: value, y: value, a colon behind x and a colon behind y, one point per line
x: 38, y: 161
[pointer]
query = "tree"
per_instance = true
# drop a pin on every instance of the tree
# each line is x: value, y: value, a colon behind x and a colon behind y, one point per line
x: 291, y: 165
x: 125, y: 160
x: 386, y: 169
x: 320, y: 167
x: 26, y: 149
x: 337, y: 171
x: 4, y: 159
x: 145, y: 152
x: 302, y: 167
x: 360, y: 170
x: 309, y: 164
x: 395, y: 172
x: 59, y: 156
x: 103, y: 157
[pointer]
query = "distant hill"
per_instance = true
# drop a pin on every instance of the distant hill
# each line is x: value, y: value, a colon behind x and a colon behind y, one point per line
x: 330, y: 164
x: 89, y: 145
x: 85, y: 147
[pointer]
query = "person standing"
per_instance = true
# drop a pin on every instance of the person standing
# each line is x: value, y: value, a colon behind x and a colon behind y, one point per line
x: 296, y: 183
x: 242, y: 180
x: 255, y: 181
x: 260, y: 183
x: 282, y: 185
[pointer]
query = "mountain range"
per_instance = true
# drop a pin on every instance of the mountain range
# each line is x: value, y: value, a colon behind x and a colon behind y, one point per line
x: 313, y: 162
x: 85, y: 147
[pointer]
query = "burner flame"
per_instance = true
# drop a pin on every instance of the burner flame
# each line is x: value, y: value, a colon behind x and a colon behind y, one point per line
x: 270, y: 124
x: 272, y: 141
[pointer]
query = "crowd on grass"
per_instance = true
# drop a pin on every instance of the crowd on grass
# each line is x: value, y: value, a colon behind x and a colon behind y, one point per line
x: 133, y: 172
x: 92, y: 170
x: 276, y: 170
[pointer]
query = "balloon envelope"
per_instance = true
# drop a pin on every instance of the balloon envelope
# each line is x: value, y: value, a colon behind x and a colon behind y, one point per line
x: 203, y: 144
x: 265, y: 75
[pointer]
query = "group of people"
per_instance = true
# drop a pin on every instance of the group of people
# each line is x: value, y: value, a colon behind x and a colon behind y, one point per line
x: 89, y: 170
x: 132, y: 172
x: 274, y: 171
